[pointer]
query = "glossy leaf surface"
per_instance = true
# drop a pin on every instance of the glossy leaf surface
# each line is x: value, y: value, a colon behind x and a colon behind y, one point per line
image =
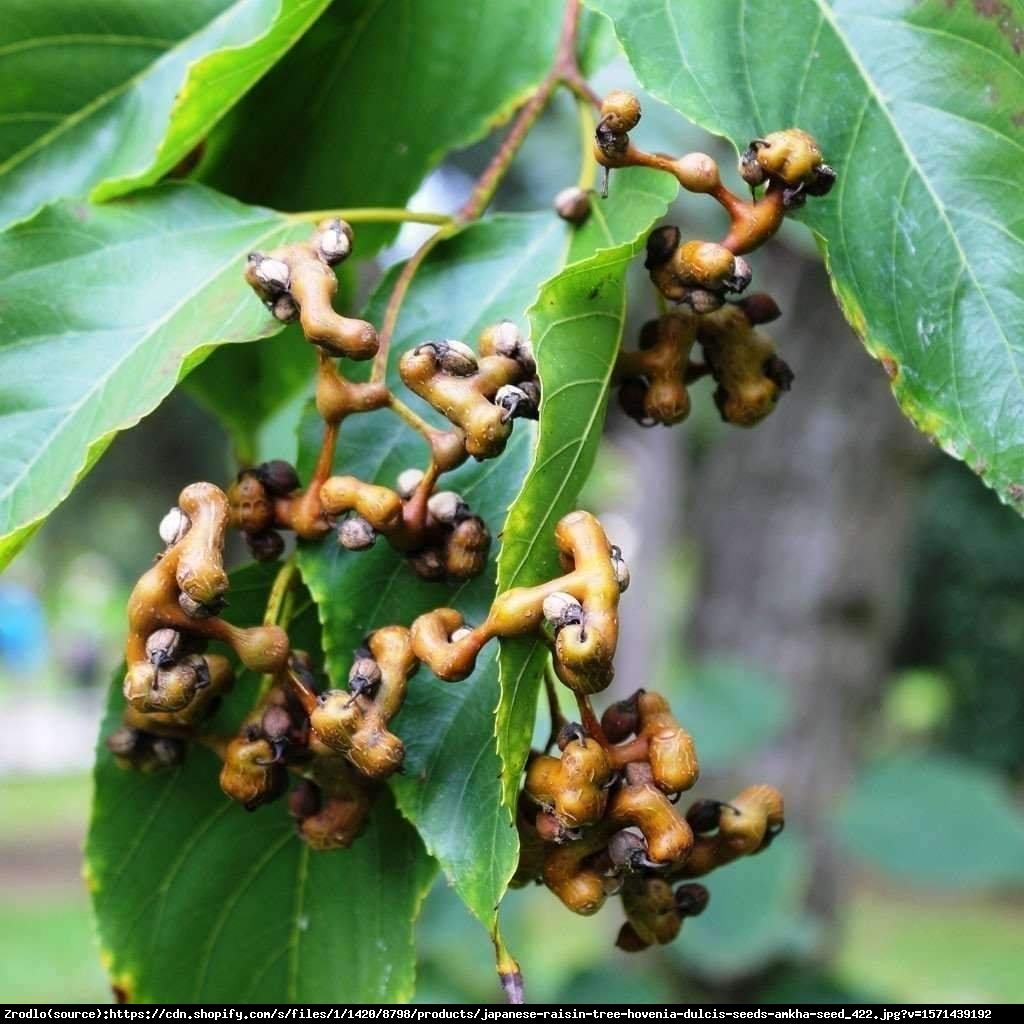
x: 917, y: 105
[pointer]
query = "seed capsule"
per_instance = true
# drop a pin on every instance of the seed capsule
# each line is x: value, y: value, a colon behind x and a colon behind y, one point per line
x: 356, y: 534
x: 505, y: 339
x: 514, y: 403
x: 703, y: 816
x: 702, y: 301
x: 167, y: 752
x: 174, y: 526
x: 741, y: 276
x: 278, y: 477
x: 304, y: 800
x: 621, y: 719
x: 334, y: 241
x: 573, y: 205
x: 125, y: 742
x: 627, y: 849
x: 447, y: 506
x: 561, y: 609
x: 364, y: 676
x: 552, y: 830
x: 822, y: 182
x: 276, y: 723
x: 163, y: 647
x: 456, y: 358
x: 638, y: 773
x: 661, y: 244
x: 252, y: 509
x: 692, y: 899
x: 531, y: 388
x: 408, y: 481
x: 197, y: 610
x: 621, y: 569
x: 196, y: 666
x: 284, y: 308
x: 265, y: 547
x: 750, y: 170
x: 273, y: 274
x: 760, y: 308
x: 571, y: 732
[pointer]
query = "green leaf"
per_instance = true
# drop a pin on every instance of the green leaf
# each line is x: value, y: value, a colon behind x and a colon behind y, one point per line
x: 451, y: 790
x: 243, y: 386
x: 103, y: 309
x: 597, y: 46
x: 934, y: 820
x: 197, y: 899
x: 917, y: 107
x: 114, y: 97
x: 375, y: 95
x: 576, y: 325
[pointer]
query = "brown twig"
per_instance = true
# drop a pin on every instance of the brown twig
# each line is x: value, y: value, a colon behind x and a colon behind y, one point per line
x: 564, y: 71
x: 558, y: 720
x: 591, y: 723
x: 397, y: 296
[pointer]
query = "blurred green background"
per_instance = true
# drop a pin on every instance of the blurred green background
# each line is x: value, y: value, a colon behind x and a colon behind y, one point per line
x: 832, y: 606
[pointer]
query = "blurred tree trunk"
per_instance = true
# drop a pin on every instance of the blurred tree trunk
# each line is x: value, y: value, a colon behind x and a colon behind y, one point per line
x: 801, y: 528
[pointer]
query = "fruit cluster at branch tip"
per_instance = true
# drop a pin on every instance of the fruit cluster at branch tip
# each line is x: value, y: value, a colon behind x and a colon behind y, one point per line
x: 480, y: 395
x: 173, y: 611
x: 297, y: 282
x: 600, y: 820
x: 338, y: 742
x: 703, y: 278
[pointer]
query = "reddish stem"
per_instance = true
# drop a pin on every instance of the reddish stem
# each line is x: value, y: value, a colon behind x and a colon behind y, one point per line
x: 591, y: 723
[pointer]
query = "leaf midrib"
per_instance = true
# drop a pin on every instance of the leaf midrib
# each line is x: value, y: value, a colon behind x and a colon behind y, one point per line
x: 589, y: 425
x: 965, y: 266
x: 85, y: 38
x: 242, y: 885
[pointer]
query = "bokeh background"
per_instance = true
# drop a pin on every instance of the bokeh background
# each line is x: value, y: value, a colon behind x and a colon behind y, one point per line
x: 832, y: 605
